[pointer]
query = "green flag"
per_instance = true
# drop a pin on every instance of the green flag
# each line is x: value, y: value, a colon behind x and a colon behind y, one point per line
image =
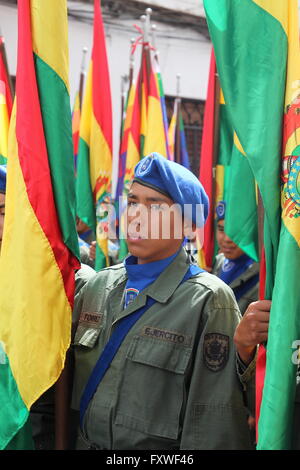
x: 257, y: 52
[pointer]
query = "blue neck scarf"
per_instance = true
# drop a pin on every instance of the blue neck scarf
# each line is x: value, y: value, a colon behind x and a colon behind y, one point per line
x: 84, y: 236
x: 233, y: 268
x: 142, y: 275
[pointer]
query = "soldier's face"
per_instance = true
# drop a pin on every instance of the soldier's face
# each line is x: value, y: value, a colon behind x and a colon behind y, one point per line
x: 154, y: 227
x: 226, y: 245
x: 2, y: 213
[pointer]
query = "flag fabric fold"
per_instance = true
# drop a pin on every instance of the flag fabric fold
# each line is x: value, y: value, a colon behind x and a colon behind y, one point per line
x: 257, y: 51
x: 207, y: 163
x: 39, y: 249
x: 94, y: 164
x: 5, y: 104
x: 75, y: 127
x: 176, y: 137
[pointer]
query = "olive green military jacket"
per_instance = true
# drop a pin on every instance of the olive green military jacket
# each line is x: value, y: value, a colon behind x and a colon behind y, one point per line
x: 252, y: 294
x: 173, y: 383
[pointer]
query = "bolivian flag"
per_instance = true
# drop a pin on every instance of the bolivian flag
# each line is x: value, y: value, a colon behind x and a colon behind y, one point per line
x: 40, y: 245
x: 207, y: 163
x: 94, y: 165
x: 257, y: 51
x: 128, y: 158
x: 177, y: 142
x: 5, y: 104
x: 153, y: 134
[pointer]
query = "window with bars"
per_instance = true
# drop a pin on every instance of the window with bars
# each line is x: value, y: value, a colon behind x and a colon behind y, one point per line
x: 192, y: 114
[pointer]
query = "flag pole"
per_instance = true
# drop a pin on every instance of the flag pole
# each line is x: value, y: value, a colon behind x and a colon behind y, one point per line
x: 124, y: 80
x: 146, y: 19
x: 63, y: 388
x: 177, y: 135
x: 153, y: 38
x: 216, y: 139
x: 131, y: 63
x: 82, y: 75
x: 4, y: 58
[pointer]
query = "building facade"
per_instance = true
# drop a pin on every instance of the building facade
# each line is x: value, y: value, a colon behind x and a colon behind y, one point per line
x: 181, y: 38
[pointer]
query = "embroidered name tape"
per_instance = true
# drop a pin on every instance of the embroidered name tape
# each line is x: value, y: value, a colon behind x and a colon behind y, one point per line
x: 165, y: 335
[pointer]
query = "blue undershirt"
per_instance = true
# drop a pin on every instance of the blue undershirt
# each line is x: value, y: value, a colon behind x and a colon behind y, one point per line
x: 142, y: 275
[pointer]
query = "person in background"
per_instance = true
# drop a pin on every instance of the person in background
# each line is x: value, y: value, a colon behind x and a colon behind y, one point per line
x: 234, y: 267
x: 86, y: 238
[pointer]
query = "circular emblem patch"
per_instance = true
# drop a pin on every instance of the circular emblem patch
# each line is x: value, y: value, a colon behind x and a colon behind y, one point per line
x: 220, y: 210
x: 227, y: 266
x: 216, y: 351
x: 291, y: 189
x: 145, y: 167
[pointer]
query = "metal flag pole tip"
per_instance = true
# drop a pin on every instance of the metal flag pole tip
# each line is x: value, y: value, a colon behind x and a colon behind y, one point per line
x: 178, y: 77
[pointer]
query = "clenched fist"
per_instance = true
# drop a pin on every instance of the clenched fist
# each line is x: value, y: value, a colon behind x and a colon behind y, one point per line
x: 252, y: 329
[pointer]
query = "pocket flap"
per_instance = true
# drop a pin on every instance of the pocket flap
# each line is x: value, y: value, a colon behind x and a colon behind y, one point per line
x: 164, y: 355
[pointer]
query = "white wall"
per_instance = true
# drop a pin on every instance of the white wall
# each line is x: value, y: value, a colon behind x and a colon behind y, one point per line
x: 182, y: 51
x: 194, y: 7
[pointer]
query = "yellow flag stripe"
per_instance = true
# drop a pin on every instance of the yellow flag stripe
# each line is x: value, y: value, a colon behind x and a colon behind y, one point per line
x: 286, y: 12
x: 49, y: 322
x: 48, y: 21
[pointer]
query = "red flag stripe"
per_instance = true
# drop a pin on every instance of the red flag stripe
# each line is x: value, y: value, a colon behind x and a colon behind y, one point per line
x: 4, y: 77
x: 206, y: 161
x: 33, y: 151
x: 101, y: 89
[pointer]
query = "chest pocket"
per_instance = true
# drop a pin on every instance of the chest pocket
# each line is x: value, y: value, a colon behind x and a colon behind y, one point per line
x: 152, y: 391
x: 88, y: 330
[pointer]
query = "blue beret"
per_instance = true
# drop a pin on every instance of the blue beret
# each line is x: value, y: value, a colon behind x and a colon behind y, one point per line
x: 176, y: 182
x: 220, y: 210
x: 2, y: 178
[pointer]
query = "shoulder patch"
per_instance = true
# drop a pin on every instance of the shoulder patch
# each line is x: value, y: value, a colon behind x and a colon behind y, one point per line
x: 215, y: 351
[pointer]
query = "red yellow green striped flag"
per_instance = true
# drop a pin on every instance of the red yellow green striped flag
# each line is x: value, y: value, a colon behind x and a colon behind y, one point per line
x: 129, y: 157
x: 153, y: 132
x: 176, y: 141
x: 257, y: 51
x: 5, y: 104
x: 206, y: 253
x: 94, y: 164
x: 160, y: 88
x: 40, y: 249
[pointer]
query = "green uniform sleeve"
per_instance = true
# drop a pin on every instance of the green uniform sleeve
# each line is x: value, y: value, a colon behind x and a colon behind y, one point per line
x: 215, y: 416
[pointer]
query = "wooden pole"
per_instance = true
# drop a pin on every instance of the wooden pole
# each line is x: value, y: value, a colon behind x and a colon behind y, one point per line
x: 63, y: 389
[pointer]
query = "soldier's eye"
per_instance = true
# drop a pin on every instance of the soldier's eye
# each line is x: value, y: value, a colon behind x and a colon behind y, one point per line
x: 155, y: 207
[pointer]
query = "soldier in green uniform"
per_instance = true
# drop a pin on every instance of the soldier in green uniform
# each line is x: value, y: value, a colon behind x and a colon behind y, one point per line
x: 234, y: 267
x: 156, y: 366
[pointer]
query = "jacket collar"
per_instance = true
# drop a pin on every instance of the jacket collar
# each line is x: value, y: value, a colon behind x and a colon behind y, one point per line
x: 160, y: 290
